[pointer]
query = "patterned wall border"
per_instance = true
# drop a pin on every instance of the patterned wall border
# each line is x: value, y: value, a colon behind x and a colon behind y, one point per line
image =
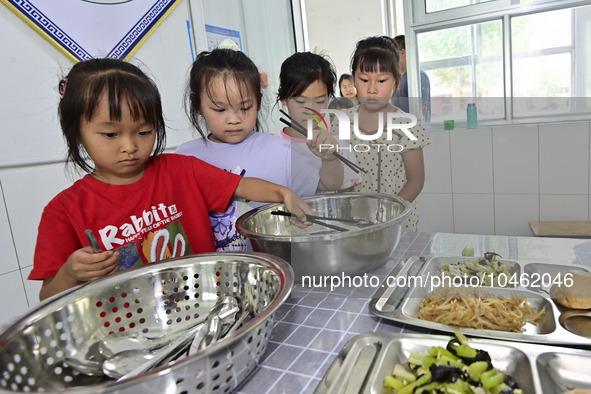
x: 147, y: 24
x: 124, y: 49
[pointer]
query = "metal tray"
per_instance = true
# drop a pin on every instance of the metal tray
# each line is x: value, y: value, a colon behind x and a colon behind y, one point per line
x: 559, y: 325
x: 366, y: 359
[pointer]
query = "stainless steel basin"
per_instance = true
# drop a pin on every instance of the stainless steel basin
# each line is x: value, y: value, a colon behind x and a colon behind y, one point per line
x: 321, y: 251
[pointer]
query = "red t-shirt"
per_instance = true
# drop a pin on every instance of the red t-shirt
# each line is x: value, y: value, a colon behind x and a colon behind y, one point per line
x: 165, y: 214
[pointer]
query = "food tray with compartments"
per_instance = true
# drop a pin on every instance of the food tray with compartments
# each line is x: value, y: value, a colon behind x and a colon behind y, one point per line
x: 364, y: 362
x: 401, y: 293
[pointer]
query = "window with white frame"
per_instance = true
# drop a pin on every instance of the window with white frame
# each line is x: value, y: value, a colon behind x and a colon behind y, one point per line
x: 517, y: 59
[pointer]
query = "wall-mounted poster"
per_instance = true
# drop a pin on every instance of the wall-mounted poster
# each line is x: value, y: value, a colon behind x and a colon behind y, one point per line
x: 84, y: 29
x: 216, y: 34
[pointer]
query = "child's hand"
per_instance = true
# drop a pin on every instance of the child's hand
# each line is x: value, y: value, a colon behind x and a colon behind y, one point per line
x: 299, y: 208
x: 256, y: 189
x: 83, y: 265
x: 323, y: 144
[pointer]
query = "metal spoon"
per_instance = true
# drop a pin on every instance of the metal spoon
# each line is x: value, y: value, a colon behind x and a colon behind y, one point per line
x: 217, y: 328
x: 245, y: 314
x: 86, y: 367
x: 122, y: 341
x: 91, y: 364
x: 131, y: 363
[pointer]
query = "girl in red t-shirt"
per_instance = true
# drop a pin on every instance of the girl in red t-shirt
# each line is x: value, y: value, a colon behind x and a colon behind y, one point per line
x: 144, y: 206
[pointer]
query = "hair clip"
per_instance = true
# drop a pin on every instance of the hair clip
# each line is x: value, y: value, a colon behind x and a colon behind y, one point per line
x: 62, y: 87
x: 229, y: 44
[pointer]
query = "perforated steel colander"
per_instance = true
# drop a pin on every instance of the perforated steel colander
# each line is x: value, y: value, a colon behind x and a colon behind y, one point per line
x: 155, y: 299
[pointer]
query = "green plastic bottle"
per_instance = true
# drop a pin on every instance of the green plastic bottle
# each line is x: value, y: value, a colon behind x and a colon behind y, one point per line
x: 472, y: 115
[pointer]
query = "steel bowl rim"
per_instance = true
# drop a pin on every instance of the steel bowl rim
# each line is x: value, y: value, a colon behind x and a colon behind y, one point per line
x: 324, y: 237
x: 274, y: 263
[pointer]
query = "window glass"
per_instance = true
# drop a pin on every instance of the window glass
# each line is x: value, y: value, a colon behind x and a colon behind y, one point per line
x: 464, y: 64
x: 440, y: 5
x: 549, y: 53
x: 541, y: 71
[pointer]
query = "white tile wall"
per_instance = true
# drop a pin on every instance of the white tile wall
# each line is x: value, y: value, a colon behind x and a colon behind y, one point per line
x: 13, y: 301
x: 515, y: 159
x: 9, y: 261
x: 507, y: 176
x: 26, y: 192
x: 436, y: 212
x: 471, y: 161
x: 32, y: 287
x: 564, y: 207
x: 514, y: 211
x: 564, y: 158
x: 437, y: 158
x: 474, y: 214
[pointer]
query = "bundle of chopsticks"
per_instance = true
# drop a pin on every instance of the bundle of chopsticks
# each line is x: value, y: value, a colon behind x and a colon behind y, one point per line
x: 302, y: 130
x: 311, y: 218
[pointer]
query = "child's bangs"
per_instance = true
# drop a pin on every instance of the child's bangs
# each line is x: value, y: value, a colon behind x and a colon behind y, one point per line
x: 245, y: 88
x: 139, y: 96
x: 377, y: 61
x: 302, y: 80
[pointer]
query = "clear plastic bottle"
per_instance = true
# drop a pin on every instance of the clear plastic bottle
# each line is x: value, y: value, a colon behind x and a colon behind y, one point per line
x: 472, y: 116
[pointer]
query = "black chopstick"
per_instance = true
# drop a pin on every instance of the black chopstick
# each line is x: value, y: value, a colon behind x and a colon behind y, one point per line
x: 300, y: 129
x: 310, y: 218
x: 346, y: 161
x: 96, y: 248
x: 342, y: 220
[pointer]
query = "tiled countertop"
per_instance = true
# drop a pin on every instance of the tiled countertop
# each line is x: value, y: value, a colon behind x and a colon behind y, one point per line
x: 314, y: 324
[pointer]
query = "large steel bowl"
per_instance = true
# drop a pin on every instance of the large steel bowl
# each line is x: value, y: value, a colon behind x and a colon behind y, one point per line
x: 319, y: 251
x: 155, y: 300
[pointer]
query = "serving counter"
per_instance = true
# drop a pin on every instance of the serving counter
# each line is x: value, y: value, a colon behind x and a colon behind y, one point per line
x: 313, y: 325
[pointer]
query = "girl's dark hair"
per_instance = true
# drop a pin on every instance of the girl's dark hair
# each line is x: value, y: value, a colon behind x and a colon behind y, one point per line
x: 302, y: 69
x: 340, y: 102
x: 124, y: 84
x: 341, y: 79
x: 377, y: 54
x: 400, y: 42
x: 229, y: 64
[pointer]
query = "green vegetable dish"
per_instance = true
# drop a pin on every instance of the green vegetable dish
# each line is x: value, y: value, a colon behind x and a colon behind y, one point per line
x: 485, y: 271
x: 458, y: 368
